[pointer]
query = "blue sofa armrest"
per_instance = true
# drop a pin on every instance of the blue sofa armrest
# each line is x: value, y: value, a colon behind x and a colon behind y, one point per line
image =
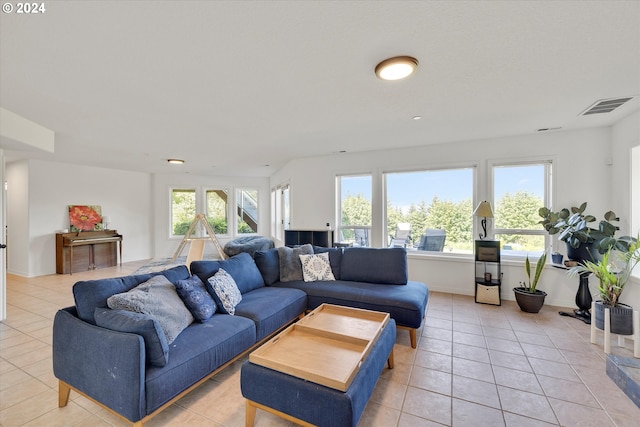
x: 107, y: 366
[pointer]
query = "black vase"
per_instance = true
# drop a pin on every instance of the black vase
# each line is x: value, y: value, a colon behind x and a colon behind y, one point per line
x: 529, y: 302
x: 621, y: 318
x: 584, y: 252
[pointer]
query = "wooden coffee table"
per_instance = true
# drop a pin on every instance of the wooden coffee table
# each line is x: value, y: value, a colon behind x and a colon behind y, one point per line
x: 326, y: 347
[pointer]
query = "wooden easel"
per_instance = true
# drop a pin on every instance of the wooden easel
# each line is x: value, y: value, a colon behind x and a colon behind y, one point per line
x: 196, y: 247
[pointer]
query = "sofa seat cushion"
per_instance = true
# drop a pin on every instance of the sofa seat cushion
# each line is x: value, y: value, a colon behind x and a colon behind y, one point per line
x: 241, y: 267
x: 405, y: 303
x: 196, y: 352
x: 271, y: 308
x: 92, y: 294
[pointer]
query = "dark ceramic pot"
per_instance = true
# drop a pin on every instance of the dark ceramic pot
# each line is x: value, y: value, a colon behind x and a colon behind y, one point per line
x: 584, y: 252
x: 621, y: 318
x: 529, y: 302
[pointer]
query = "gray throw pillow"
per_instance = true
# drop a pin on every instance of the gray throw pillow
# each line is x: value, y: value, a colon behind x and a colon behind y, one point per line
x: 158, y: 298
x: 290, y: 264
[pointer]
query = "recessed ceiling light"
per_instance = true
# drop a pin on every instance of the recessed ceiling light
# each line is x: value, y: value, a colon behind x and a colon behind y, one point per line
x: 396, y: 68
x: 416, y: 117
x: 175, y: 161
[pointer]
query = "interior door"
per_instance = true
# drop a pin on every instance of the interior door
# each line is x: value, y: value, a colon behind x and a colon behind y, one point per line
x: 3, y: 242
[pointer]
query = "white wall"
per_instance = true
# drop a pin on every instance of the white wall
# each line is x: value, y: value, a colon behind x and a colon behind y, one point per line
x: 17, y: 177
x: 626, y: 148
x: 164, y: 245
x: 49, y: 188
x: 582, y: 173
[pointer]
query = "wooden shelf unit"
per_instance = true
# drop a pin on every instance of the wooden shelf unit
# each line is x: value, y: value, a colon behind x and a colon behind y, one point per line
x: 314, y: 237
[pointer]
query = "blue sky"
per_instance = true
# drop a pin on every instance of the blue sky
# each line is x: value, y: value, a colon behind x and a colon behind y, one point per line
x: 455, y: 185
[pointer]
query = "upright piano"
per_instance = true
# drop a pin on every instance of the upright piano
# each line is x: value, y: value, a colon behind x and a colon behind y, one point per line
x: 86, y: 250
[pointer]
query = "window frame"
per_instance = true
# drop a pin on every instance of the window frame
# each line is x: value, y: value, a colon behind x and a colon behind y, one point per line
x: 548, y: 188
x: 230, y: 221
x: 237, y: 217
x: 434, y: 168
x: 171, y: 206
x: 339, y: 226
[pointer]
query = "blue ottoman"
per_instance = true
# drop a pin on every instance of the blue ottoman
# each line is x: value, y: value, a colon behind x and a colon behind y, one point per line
x: 248, y: 244
x: 303, y: 401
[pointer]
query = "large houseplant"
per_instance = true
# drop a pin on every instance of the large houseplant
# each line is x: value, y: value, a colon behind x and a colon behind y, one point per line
x: 613, y: 271
x: 529, y: 298
x: 584, y: 242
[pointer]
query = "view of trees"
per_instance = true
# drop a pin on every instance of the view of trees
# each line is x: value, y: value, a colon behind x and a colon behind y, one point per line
x: 513, y: 211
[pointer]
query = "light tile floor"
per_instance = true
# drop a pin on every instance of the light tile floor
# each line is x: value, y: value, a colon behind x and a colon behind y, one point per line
x: 475, y: 365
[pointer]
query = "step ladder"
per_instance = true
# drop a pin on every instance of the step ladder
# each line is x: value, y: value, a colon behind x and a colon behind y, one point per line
x: 196, y: 244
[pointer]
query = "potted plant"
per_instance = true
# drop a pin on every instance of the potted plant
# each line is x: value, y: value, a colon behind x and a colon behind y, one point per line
x: 573, y: 225
x: 530, y: 299
x: 613, y: 271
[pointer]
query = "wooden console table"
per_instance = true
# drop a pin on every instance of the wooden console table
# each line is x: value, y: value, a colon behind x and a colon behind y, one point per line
x: 87, y: 250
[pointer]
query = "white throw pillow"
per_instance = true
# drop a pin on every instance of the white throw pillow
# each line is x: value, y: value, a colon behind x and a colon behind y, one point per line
x: 226, y: 290
x: 316, y: 267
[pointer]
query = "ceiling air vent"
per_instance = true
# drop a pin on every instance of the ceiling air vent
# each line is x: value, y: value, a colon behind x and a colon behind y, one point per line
x: 605, y: 106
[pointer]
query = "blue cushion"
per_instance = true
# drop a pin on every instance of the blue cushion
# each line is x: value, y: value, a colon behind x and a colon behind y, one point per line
x: 335, y: 258
x: 241, y: 267
x: 405, y: 303
x: 155, y: 341
x: 194, y: 295
x: 270, y: 308
x: 386, y: 266
x: 268, y: 262
x: 199, y: 350
x: 90, y: 294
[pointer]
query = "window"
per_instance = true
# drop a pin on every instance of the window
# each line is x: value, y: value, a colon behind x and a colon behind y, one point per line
x: 355, y: 209
x: 437, y: 205
x: 247, y: 211
x: 519, y: 191
x: 280, y: 211
x: 183, y: 210
x: 217, y: 212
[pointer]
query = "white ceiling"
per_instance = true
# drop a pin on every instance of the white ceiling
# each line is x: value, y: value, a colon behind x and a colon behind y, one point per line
x: 234, y: 86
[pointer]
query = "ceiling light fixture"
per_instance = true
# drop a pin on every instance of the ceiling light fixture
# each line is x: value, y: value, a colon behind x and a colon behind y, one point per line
x: 396, y: 68
x: 175, y: 161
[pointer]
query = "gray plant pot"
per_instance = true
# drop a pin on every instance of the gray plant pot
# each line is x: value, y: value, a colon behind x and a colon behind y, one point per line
x: 621, y: 318
x: 529, y: 302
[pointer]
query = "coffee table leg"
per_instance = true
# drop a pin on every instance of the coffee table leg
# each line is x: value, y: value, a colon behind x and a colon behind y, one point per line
x: 250, y: 414
x: 390, y: 360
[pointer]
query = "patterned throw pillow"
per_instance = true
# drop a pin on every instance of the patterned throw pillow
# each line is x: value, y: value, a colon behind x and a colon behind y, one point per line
x: 226, y: 291
x: 195, y: 296
x: 316, y: 267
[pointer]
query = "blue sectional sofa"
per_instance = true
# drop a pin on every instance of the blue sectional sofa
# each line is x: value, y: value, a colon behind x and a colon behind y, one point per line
x: 368, y: 278
x: 113, y: 369
x: 135, y: 371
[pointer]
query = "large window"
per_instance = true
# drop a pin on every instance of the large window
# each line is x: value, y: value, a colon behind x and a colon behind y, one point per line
x: 519, y: 191
x: 217, y: 211
x: 247, y: 211
x: 280, y: 211
x: 355, y: 209
x: 183, y: 210
x: 436, y: 206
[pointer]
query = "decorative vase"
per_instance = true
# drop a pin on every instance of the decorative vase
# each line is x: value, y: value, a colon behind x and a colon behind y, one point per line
x: 621, y: 318
x: 529, y: 302
x: 584, y: 252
